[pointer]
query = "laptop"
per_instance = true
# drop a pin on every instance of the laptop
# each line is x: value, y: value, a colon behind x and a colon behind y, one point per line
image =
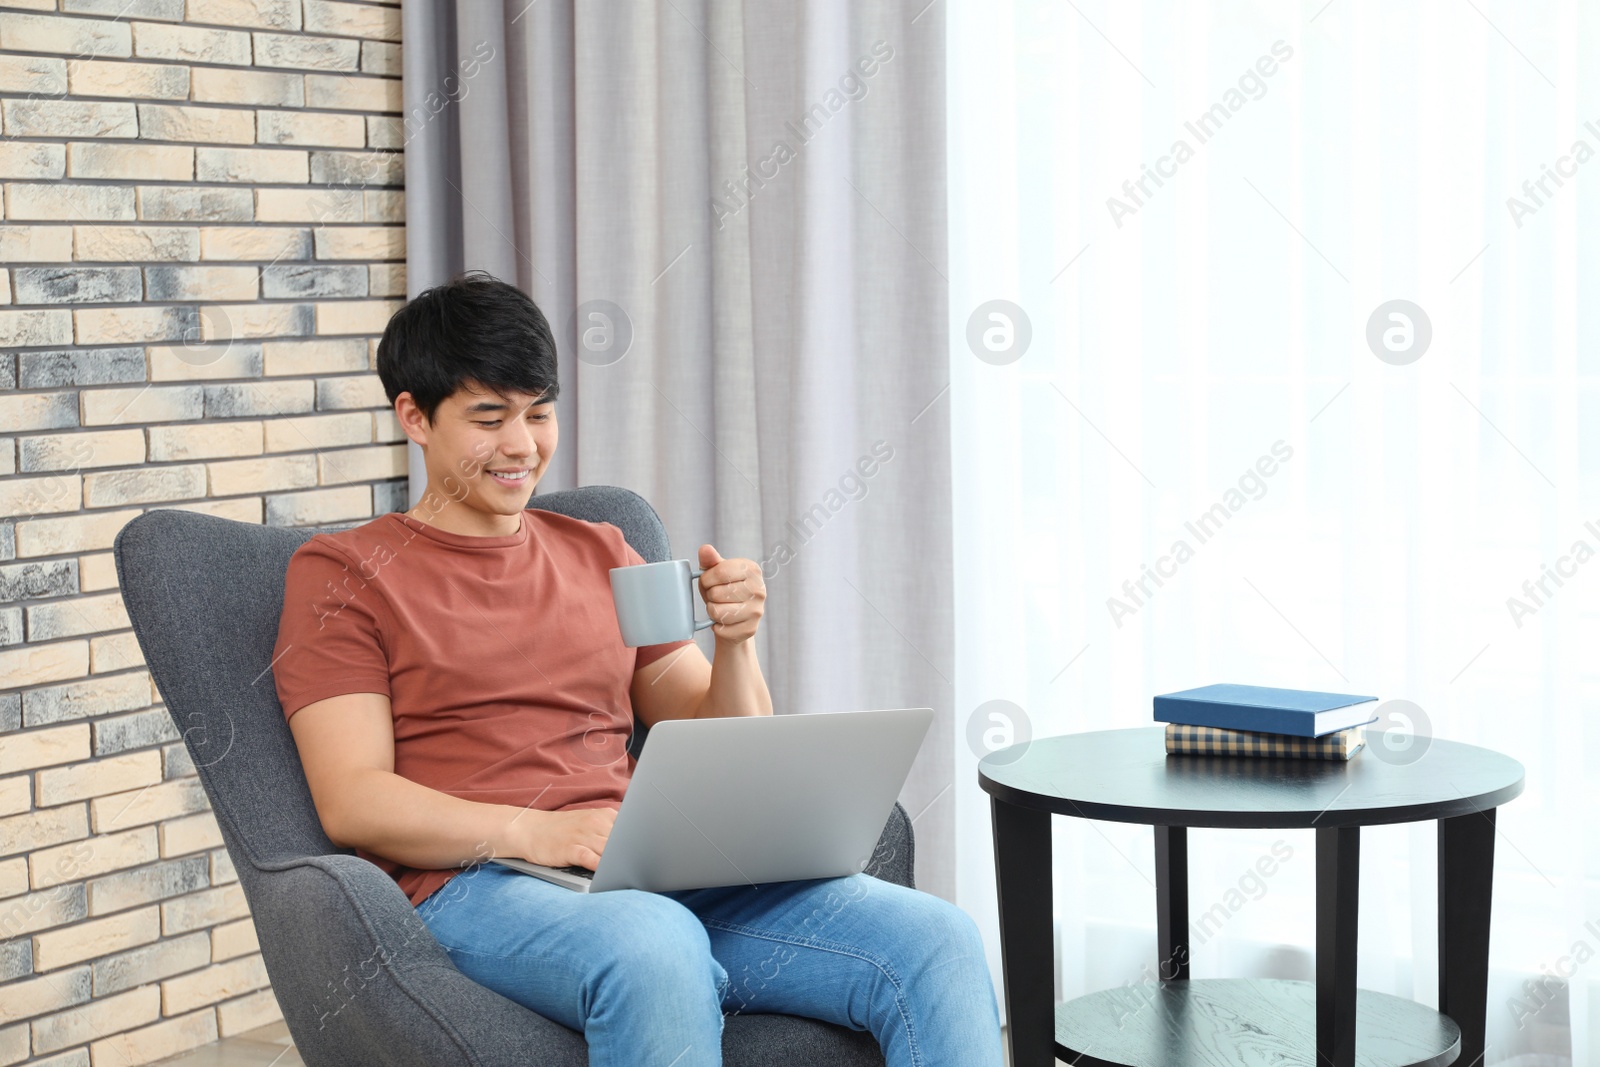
x: 749, y: 799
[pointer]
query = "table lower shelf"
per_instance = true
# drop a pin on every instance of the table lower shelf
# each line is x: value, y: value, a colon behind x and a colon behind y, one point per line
x: 1242, y: 1022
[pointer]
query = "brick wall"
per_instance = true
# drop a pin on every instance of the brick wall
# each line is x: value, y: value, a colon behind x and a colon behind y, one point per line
x: 200, y: 241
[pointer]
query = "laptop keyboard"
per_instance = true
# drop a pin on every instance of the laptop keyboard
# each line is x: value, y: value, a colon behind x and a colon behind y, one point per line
x: 581, y: 872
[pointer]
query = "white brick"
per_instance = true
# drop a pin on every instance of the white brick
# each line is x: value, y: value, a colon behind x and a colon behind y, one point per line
x: 233, y: 939
x: 360, y: 242
x: 355, y: 316
x: 33, y: 329
x: 211, y: 984
x: 192, y: 833
x: 221, y: 322
x: 168, y: 163
x: 317, y: 431
x: 306, y: 53
x: 160, y: 1041
x: 258, y: 398
x: 272, y: 473
x: 317, y: 507
x: 40, y: 496
x: 135, y: 244
x: 254, y: 165
x: 136, y: 81
x: 41, y: 829
x: 354, y: 391
x: 258, y: 14
x: 39, y: 996
x: 239, y: 509
x: 385, y: 131
x: 384, y: 205
x: 150, y: 403
x: 352, y: 20
x: 133, y: 325
x: 386, y: 279
x: 73, y: 533
x: 166, y: 800
x: 181, y: 363
x: 96, y: 778
x: 386, y: 426
x: 81, y: 118
x: 36, y: 244
x: 215, y: 85
x: 378, y: 57
x: 191, y: 44
x: 202, y: 283
x: 148, y: 485
x: 362, y: 169
x: 309, y: 205
x: 97, y: 937
x: 33, y: 74
x: 115, y: 652
x: 32, y: 749
x: 73, y: 203
x: 270, y: 243
x: 206, y: 908
x: 98, y: 1018
x: 170, y: 10
x: 74, y: 37
x: 344, y: 93
x: 344, y: 356
x: 168, y: 122
x: 143, y: 966
x: 97, y: 571
x: 78, y: 616
x: 30, y: 159
x: 167, y: 203
x: 362, y: 464
x: 81, y: 451
x: 248, y: 1013
x: 310, y: 128
x: 204, y: 441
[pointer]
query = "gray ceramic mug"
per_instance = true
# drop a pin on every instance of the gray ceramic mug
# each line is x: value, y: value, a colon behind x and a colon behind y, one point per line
x: 655, y: 602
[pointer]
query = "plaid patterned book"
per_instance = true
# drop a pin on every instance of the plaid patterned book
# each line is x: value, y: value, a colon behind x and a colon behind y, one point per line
x: 1185, y: 740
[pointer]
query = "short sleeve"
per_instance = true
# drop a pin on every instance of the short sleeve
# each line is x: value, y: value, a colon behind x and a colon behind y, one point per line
x: 644, y: 655
x: 329, y: 635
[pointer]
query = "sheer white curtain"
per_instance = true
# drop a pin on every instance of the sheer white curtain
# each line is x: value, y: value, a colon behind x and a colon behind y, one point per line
x: 1307, y: 165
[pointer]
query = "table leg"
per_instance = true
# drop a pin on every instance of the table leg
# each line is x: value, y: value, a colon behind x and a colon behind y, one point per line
x: 1172, y: 902
x: 1022, y: 865
x: 1338, y: 881
x: 1466, y: 879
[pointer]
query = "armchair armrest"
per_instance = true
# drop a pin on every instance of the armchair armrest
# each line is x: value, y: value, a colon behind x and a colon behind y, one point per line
x: 358, y: 976
x: 894, y: 860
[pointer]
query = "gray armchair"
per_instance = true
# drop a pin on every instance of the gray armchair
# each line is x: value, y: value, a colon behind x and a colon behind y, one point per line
x: 359, y: 977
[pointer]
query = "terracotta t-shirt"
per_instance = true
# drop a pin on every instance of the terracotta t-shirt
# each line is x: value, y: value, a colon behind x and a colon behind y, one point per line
x: 500, y: 656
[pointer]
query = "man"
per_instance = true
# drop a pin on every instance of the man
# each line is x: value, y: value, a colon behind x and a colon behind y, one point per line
x: 458, y: 689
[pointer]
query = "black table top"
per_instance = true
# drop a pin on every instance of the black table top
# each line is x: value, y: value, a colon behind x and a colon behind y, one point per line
x: 1127, y: 776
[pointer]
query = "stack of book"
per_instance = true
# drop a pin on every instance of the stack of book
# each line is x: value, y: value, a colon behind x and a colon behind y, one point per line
x: 1252, y: 720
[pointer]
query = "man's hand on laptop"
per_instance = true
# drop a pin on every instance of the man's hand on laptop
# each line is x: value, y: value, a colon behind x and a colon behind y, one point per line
x: 560, y: 838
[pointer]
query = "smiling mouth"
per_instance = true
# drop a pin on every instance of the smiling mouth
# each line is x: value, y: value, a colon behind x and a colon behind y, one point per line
x: 510, y: 479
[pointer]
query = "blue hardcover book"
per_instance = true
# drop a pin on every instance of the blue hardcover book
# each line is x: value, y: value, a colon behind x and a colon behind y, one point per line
x: 1297, y: 712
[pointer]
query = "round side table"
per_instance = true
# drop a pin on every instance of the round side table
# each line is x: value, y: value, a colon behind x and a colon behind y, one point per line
x: 1127, y: 776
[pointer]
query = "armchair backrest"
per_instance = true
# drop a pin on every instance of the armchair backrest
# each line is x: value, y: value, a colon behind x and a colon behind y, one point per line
x: 204, y: 595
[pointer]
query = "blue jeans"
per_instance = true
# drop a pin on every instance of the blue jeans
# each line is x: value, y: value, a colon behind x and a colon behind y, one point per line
x: 646, y: 977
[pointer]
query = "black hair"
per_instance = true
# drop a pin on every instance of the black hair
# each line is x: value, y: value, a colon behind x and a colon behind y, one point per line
x: 472, y: 327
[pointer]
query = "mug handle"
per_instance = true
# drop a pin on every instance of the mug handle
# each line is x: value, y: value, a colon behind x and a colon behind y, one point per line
x: 700, y: 624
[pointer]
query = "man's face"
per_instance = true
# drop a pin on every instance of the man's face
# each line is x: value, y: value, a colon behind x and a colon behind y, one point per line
x: 481, y: 441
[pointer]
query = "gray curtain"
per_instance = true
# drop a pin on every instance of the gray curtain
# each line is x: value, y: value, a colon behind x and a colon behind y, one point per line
x: 733, y: 215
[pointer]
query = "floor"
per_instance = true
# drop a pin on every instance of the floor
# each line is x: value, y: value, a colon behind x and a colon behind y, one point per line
x: 269, y: 1046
